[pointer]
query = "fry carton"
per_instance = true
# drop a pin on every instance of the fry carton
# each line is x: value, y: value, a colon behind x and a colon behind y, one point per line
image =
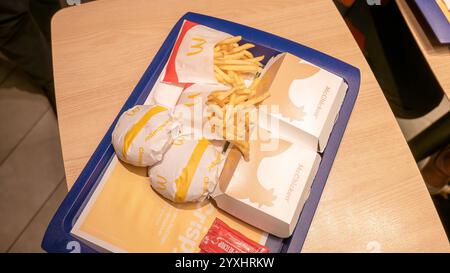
x: 305, y: 98
x: 270, y: 189
x: 192, y: 57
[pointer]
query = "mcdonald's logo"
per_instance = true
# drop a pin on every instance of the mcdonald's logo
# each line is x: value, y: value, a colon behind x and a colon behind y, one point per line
x: 161, y: 184
x: 133, y: 111
x: 198, y: 47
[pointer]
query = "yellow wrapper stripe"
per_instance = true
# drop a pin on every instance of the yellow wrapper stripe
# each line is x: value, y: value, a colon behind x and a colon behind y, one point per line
x: 134, y: 131
x: 157, y: 130
x: 183, y: 182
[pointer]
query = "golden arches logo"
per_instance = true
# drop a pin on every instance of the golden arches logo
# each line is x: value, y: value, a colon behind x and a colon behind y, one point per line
x: 161, y: 183
x: 133, y: 111
x: 198, y: 47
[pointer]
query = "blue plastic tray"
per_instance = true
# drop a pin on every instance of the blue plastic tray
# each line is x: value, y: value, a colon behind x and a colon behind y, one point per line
x: 58, y: 237
x: 435, y: 19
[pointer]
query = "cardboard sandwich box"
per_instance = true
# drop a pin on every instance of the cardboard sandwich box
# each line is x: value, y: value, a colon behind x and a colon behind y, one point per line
x: 270, y: 189
x: 304, y: 97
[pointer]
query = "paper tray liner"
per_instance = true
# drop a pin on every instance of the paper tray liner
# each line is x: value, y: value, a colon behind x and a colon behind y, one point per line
x: 125, y: 214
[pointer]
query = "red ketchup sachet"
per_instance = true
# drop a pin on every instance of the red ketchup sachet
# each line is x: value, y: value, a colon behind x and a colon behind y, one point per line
x: 223, y: 239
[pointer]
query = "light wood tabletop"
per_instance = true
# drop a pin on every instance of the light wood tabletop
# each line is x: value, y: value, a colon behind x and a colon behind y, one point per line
x: 437, y: 55
x: 375, y: 198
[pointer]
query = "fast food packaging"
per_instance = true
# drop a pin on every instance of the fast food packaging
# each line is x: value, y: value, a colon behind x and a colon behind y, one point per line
x: 192, y: 112
x: 189, y: 172
x: 192, y: 161
x: 270, y: 189
x: 125, y: 215
x: 446, y: 3
x: 172, y: 176
x: 165, y: 94
x: 143, y: 134
x: 192, y: 57
x: 223, y: 239
x: 305, y: 98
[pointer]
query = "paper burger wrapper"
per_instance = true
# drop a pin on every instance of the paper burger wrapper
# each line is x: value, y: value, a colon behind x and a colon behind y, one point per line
x: 189, y: 171
x: 199, y: 119
x: 444, y: 5
x: 165, y: 94
x: 143, y: 134
x: 192, y: 57
x: 193, y: 113
x: 447, y: 4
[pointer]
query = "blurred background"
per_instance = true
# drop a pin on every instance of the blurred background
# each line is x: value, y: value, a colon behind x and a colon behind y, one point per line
x: 32, y: 180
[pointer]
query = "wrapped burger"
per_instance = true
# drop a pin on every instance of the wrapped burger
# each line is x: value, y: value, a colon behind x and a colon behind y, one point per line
x: 143, y: 134
x: 190, y: 170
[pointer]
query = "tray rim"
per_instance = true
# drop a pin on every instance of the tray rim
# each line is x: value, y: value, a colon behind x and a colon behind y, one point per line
x: 58, y: 238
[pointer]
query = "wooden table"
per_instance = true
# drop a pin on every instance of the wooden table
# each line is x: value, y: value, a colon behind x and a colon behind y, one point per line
x: 375, y: 198
x: 437, y: 56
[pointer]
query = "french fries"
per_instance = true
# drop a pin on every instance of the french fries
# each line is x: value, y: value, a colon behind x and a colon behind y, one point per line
x: 232, y: 61
x: 230, y: 110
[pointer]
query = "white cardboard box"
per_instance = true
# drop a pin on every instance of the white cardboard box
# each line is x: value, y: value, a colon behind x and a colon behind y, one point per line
x: 305, y: 98
x: 270, y: 189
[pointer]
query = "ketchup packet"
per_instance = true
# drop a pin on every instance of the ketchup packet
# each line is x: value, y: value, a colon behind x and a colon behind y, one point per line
x: 192, y: 57
x: 223, y: 239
